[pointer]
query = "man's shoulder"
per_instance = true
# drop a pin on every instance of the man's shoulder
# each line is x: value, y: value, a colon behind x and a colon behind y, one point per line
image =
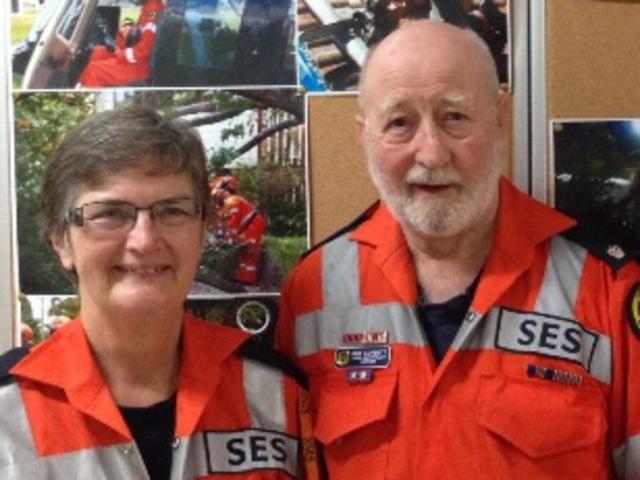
x: 262, y: 353
x: 599, y: 243
x: 8, y: 360
x: 346, y: 230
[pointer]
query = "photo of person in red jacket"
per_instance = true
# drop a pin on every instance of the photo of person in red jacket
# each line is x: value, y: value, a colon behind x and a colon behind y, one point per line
x: 128, y: 61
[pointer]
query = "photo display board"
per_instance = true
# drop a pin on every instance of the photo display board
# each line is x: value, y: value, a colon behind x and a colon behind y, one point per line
x: 258, y: 81
x: 592, y: 116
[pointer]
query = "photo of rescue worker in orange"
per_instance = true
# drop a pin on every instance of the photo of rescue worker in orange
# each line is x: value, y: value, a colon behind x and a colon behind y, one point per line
x: 236, y: 221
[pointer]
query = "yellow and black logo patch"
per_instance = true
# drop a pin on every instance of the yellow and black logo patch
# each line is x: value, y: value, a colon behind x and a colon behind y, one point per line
x: 633, y: 308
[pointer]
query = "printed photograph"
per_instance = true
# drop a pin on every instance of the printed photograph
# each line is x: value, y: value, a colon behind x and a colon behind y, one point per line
x: 254, y: 142
x: 90, y: 44
x: 256, y: 315
x: 335, y: 35
x: 596, y: 176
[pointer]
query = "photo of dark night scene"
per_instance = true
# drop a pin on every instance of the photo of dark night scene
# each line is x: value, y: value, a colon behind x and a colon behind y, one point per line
x: 597, y: 179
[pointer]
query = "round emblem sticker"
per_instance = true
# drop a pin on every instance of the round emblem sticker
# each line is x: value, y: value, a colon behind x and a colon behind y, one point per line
x: 634, y: 310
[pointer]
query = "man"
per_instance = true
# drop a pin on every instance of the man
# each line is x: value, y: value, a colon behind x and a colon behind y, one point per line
x: 128, y: 62
x: 454, y: 331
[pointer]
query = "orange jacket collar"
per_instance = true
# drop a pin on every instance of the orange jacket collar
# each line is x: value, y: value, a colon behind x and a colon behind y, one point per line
x: 522, y: 223
x: 66, y: 361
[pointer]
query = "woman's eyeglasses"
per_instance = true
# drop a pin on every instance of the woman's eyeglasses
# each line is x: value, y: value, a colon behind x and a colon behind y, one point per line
x: 120, y: 217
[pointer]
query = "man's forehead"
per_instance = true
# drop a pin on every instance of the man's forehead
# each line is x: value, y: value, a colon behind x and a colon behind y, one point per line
x: 399, y: 100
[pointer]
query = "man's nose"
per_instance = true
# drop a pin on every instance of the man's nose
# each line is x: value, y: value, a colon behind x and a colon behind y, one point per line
x: 430, y: 145
x: 144, y: 234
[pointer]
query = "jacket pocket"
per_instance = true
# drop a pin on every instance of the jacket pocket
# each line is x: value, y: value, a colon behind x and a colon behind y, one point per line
x: 541, y: 418
x: 355, y: 423
x: 342, y: 408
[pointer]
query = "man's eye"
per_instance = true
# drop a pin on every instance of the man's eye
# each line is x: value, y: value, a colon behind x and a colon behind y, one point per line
x: 455, y: 116
x: 398, y: 122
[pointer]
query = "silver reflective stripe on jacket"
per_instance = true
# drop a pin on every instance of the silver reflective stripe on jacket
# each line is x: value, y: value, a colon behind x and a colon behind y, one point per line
x: 263, y: 446
x: 561, y: 282
x: 19, y: 459
x: 234, y: 452
x: 626, y: 459
x: 499, y: 329
x: 264, y: 391
x: 558, y: 296
x: 343, y: 311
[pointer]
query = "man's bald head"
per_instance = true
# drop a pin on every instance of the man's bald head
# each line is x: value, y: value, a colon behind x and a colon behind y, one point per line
x: 422, y: 41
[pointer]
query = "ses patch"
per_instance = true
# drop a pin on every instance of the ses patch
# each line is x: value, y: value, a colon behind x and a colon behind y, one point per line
x: 542, y: 334
x: 250, y: 450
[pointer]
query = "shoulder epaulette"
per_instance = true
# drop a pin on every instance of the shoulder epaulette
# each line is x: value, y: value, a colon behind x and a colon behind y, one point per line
x: 254, y: 349
x: 8, y: 360
x: 364, y: 216
x: 599, y: 243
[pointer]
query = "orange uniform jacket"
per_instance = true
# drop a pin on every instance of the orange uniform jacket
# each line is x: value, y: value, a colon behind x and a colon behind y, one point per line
x: 235, y: 418
x: 125, y: 65
x: 541, y: 381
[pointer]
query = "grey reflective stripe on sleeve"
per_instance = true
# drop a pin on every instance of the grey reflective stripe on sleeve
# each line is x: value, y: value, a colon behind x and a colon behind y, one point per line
x: 558, y: 295
x: 323, y: 329
x: 104, y: 463
x: 16, y: 441
x: 340, y: 274
x: 19, y: 459
x: 342, y: 310
x: 561, y: 281
x: 626, y: 459
x: 264, y: 392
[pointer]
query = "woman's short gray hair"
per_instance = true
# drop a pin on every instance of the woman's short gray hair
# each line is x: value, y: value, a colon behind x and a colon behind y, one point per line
x: 113, y: 142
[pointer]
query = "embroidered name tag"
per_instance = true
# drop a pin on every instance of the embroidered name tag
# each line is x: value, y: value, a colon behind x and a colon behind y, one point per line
x: 557, y: 337
x: 249, y: 450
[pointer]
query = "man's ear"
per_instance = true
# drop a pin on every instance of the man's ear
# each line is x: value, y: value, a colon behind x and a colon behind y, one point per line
x: 504, y: 107
x: 360, y: 127
x: 62, y: 246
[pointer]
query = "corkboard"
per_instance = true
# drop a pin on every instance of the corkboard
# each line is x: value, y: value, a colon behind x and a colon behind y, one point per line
x: 339, y: 185
x: 593, y: 53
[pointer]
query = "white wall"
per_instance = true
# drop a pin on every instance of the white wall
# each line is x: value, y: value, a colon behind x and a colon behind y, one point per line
x: 7, y: 296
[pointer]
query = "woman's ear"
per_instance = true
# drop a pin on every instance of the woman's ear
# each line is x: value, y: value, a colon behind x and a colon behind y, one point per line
x: 62, y: 246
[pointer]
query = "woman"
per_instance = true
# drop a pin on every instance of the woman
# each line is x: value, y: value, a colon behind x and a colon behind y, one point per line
x: 134, y: 387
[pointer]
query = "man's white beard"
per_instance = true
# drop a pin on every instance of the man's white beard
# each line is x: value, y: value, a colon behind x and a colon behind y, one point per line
x: 442, y: 217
